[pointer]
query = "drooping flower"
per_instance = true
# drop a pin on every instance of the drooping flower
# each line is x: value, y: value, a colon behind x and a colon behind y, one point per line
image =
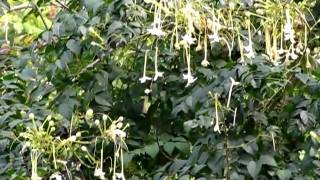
x: 156, y: 31
x: 188, y: 40
x: 205, y: 63
x: 144, y: 77
x: 120, y: 133
x: 188, y: 9
x: 157, y: 73
x: 98, y: 172
x: 56, y: 176
x: 288, y: 27
x: 249, y: 51
x: 293, y: 56
x: 288, y: 31
x: 214, y: 37
x: 216, y: 128
x: 190, y: 79
x: 120, y: 176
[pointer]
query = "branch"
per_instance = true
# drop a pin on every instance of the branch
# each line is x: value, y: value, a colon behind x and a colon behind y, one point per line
x: 20, y: 7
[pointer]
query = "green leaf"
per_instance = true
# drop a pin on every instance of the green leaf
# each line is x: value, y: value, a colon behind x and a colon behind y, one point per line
x: 268, y: 160
x: 28, y: 74
x: 93, y: 5
x: 114, y: 26
x: 304, y: 116
x: 284, y: 174
x: 253, y: 169
x: 169, y: 147
x: 152, y: 150
x: 74, y: 46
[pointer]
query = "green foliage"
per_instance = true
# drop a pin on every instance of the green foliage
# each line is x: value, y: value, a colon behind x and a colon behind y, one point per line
x: 65, y: 89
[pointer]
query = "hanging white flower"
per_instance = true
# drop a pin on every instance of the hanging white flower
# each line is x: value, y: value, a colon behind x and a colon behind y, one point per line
x: 144, y: 77
x: 156, y: 31
x: 190, y: 79
x: 56, y: 176
x: 98, y: 172
x: 216, y: 128
x: 120, y: 133
x: 214, y: 37
x: 188, y: 40
x: 249, y: 51
x: 288, y: 31
x: 205, y: 63
x: 157, y: 75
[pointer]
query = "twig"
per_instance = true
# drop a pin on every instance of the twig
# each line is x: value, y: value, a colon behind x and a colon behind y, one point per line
x: 39, y: 12
x: 63, y: 5
x: 86, y: 68
x: 20, y: 7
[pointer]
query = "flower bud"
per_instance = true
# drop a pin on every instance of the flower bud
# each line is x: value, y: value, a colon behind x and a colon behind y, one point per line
x: 97, y: 122
x: 28, y: 144
x: 120, y: 118
x: 89, y: 114
x: 23, y: 113
x: 51, y: 123
x: 78, y: 134
x: 31, y: 116
x: 83, y: 148
x: 49, y: 117
x: 104, y: 117
x: 72, y: 138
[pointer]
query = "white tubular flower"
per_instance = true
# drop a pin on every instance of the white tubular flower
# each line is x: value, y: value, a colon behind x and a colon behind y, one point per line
x: 157, y: 73
x: 249, y: 51
x: 188, y: 10
x: 36, y: 177
x: 288, y: 31
x: 98, y: 172
x: 288, y: 28
x: 233, y: 82
x: 205, y: 63
x: 281, y: 51
x: 119, y: 125
x: 190, y: 79
x: 120, y: 176
x: 214, y: 37
x: 120, y: 118
x: 72, y: 138
x: 120, y: 133
x: 293, y: 56
x: 188, y: 40
x: 156, y: 31
x: 216, y: 128
x: 144, y: 77
x: 56, y: 176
